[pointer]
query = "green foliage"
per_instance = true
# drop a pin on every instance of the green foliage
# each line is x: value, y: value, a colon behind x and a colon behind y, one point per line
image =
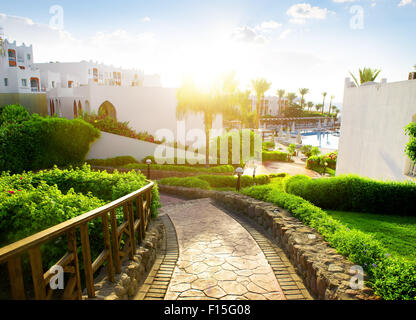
x: 310, y: 151
x: 275, y: 156
x: 391, y: 277
x: 179, y: 168
x: 318, y: 162
x: 268, y: 145
x: 354, y: 193
x: 212, y: 181
x: 14, y: 113
x: 188, y: 182
x: 278, y: 175
x: 291, y: 149
x: 112, y: 162
x: 40, y: 143
x: 366, y: 75
x: 411, y: 146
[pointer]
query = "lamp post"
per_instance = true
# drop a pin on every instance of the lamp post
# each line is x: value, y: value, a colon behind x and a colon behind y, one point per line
x: 149, y: 162
x: 254, y: 175
x: 239, y: 172
x: 325, y: 166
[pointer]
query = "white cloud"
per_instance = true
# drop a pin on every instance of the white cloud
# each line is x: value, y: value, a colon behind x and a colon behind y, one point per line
x: 249, y: 35
x: 343, y: 1
x: 405, y: 2
x: 146, y: 19
x: 269, y: 25
x: 301, y: 12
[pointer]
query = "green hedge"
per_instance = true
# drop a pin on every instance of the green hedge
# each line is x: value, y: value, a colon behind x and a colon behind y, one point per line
x: 275, y: 156
x: 212, y: 181
x: 31, y: 202
x: 188, y: 182
x: 179, y: 168
x: 40, y: 143
x: 391, y: 278
x: 112, y: 162
x: 354, y: 193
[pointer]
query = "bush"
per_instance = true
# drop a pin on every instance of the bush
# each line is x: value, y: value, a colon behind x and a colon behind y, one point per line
x: 40, y: 143
x: 411, y: 146
x: 32, y: 202
x: 231, y: 181
x: 112, y: 162
x: 391, y: 278
x: 354, y: 193
x: 269, y: 145
x: 14, y: 113
x: 179, y: 168
x: 188, y: 182
x: 275, y: 156
x: 318, y: 162
x: 278, y: 175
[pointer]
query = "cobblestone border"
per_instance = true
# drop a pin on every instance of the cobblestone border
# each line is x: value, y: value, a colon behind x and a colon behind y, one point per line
x: 157, y: 282
x: 325, y: 273
x: 291, y: 284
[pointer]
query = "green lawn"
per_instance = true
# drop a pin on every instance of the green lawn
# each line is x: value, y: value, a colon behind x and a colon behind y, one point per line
x: 397, y: 234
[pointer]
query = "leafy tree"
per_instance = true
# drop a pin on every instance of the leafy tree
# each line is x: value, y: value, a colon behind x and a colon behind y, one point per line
x: 366, y: 75
x: 280, y: 93
x: 14, y: 113
x: 323, y: 103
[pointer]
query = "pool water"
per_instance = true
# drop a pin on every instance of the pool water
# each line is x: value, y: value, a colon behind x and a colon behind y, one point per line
x: 324, y: 140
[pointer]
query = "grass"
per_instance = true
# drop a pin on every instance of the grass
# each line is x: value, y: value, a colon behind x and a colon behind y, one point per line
x: 397, y: 234
x: 320, y: 170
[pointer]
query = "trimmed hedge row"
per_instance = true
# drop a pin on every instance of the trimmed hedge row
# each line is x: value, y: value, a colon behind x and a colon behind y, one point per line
x: 112, y: 162
x: 179, y: 168
x: 355, y: 193
x: 207, y: 181
x: 390, y: 277
x: 275, y: 156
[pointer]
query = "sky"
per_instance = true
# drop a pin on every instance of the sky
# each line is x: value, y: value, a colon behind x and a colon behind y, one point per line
x: 293, y: 44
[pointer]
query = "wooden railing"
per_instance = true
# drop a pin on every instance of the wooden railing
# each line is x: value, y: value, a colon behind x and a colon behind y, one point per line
x: 134, y: 222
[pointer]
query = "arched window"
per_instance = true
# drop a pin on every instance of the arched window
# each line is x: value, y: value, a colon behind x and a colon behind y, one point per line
x: 75, y: 109
x: 34, y: 84
x: 12, y: 58
x: 108, y: 110
x: 87, y: 106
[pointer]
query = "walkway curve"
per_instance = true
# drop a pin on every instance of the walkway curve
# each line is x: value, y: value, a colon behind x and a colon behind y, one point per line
x: 217, y: 255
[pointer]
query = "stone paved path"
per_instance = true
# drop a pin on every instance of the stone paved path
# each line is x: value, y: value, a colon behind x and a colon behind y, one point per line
x: 218, y: 258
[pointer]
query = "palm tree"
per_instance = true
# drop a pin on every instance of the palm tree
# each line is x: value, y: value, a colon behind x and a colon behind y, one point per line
x: 366, y: 75
x: 291, y: 97
x: 260, y: 86
x: 193, y: 101
x: 323, y: 103
x: 330, y: 105
x: 280, y: 93
x: 303, y: 92
x: 310, y: 105
x: 318, y: 107
x: 244, y: 108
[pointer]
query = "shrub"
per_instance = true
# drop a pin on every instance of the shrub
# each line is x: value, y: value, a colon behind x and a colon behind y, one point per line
x: 275, y: 156
x: 391, y: 278
x: 40, y: 143
x: 179, y: 168
x: 318, y: 162
x: 14, y: 113
x: 411, y: 146
x: 112, y: 162
x: 188, y: 182
x: 278, y: 175
x: 269, y: 145
x: 354, y: 193
x: 231, y: 181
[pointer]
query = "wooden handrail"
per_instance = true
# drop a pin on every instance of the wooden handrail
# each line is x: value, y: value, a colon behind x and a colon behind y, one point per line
x: 135, y: 221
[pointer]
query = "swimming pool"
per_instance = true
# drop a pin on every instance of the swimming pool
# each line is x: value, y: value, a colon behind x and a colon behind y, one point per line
x: 324, y: 140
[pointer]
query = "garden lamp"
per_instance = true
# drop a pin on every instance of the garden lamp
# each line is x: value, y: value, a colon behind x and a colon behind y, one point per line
x: 149, y: 162
x: 254, y: 175
x: 239, y: 172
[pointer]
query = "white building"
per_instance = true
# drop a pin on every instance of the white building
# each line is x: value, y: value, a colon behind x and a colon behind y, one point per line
x: 373, y: 139
x: 18, y: 74
x: 75, y: 74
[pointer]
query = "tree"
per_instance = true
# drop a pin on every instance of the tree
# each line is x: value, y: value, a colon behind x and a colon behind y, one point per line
x: 291, y: 98
x: 303, y: 92
x: 281, y: 93
x: 318, y: 107
x: 366, y: 75
x: 260, y: 86
x: 191, y: 100
x: 244, y: 113
x: 310, y: 105
x: 330, y: 105
x: 411, y: 146
x: 323, y: 103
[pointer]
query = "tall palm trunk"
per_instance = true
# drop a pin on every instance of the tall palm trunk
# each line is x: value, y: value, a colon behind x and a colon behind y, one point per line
x: 208, y: 127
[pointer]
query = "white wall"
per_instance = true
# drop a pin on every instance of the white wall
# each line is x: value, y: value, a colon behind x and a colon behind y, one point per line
x: 111, y: 145
x: 373, y: 140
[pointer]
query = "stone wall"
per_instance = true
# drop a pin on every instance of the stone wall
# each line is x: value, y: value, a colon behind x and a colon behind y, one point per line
x: 133, y: 273
x: 325, y: 273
